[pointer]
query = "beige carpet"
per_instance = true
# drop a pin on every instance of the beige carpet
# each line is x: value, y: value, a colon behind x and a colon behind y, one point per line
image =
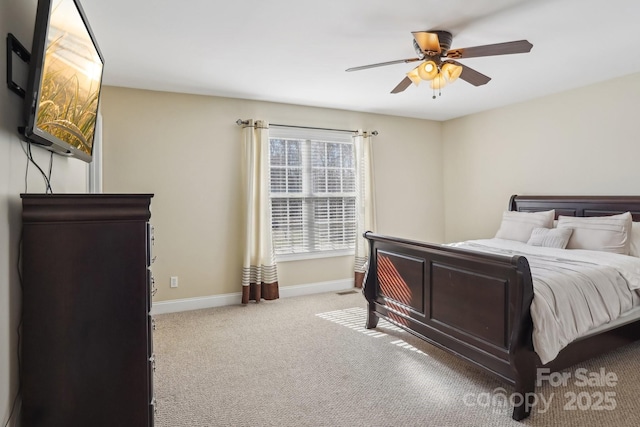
x: 308, y: 361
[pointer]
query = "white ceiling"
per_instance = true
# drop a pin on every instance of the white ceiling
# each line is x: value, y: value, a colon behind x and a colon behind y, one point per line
x: 296, y: 51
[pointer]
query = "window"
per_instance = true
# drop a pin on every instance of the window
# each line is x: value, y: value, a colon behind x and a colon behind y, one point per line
x: 313, y: 191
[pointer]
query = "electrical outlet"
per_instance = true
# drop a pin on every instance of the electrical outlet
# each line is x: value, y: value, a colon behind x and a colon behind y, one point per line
x: 174, y: 281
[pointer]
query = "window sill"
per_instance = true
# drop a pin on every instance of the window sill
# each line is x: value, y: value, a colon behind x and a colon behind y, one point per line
x: 314, y: 255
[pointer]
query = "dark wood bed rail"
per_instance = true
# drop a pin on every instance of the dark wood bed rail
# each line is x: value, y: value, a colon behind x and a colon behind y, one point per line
x: 477, y: 306
x: 473, y: 305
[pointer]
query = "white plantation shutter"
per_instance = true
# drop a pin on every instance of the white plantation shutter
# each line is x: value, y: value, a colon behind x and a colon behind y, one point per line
x: 313, y: 190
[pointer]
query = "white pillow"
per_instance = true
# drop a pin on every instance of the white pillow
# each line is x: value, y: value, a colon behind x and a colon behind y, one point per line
x: 519, y: 225
x: 634, y: 249
x: 550, y: 237
x: 599, y: 233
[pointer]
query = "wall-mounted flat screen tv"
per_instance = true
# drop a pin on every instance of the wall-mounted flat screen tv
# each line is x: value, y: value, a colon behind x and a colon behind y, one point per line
x: 65, y: 79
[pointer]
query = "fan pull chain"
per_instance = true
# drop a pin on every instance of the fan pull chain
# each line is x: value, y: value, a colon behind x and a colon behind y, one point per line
x: 439, y: 88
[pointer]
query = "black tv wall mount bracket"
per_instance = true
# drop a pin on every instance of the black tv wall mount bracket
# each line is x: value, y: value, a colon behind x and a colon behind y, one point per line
x: 14, y: 46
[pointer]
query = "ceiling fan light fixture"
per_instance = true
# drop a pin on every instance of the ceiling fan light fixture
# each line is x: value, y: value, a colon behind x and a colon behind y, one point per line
x: 439, y: 82
x: 428, y: 70
x: 451, y: 71
x: 438, y: 61
x: 414, y: 76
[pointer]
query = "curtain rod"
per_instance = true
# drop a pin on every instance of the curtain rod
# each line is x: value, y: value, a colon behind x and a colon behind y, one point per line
x: 241, y: 122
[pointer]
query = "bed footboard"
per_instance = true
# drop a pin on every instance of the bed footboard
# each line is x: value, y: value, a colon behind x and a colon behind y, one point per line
x: 473, y: 305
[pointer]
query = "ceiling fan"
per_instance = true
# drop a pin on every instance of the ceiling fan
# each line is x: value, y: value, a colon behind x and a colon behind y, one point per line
x: 439, y: 64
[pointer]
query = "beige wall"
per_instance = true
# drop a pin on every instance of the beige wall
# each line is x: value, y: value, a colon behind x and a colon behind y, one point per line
x: 583, y: 141
x: 186, y: 150
x: 69, y: 175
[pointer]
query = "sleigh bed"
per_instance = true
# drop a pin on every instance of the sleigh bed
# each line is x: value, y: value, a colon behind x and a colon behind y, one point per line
x: 478, y: 305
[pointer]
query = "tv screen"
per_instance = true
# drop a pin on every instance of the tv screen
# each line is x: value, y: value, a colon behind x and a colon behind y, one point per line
x: 65, y: 79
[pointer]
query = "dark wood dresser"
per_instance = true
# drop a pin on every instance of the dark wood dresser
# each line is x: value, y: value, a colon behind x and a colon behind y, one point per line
x: 87, y: 350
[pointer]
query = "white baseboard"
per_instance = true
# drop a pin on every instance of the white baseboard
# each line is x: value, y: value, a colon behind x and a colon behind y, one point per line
x: 186, y: 304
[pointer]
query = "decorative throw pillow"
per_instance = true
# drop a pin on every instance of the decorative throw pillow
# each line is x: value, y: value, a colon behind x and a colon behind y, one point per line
x: 519, y: 225
x: 599, y: 233
x: 550, y: 237
x: 634, y: 249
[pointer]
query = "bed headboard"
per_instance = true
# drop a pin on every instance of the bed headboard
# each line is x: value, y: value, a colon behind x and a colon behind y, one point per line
x: 578, y: 205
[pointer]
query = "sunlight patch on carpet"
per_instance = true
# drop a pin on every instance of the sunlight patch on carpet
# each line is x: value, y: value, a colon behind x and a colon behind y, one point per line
x: 352, y: 318
x: 355, y: 319
x: 406, y: 345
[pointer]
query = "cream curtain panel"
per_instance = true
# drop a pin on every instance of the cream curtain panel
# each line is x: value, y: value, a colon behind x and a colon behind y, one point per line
x: 259, y: 273
x: 365, y: 203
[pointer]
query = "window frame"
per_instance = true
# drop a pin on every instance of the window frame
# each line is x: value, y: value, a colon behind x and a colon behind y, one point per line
x: 307, y: 195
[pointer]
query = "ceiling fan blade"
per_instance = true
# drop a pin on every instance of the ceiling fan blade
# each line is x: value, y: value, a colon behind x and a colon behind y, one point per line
x: 519, y: 46
x: 427, y: 41
x: 470, y: 75
x: 382, y: 64
x: 405, y: 83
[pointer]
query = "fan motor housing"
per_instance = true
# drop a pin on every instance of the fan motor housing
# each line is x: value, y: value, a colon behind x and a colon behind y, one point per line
x: 444, y: 38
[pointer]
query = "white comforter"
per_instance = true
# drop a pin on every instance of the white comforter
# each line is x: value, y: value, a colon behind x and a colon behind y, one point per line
x: 574, y: 290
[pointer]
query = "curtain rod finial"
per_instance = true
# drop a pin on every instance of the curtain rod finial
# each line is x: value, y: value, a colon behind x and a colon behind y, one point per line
x: 241, y: 122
